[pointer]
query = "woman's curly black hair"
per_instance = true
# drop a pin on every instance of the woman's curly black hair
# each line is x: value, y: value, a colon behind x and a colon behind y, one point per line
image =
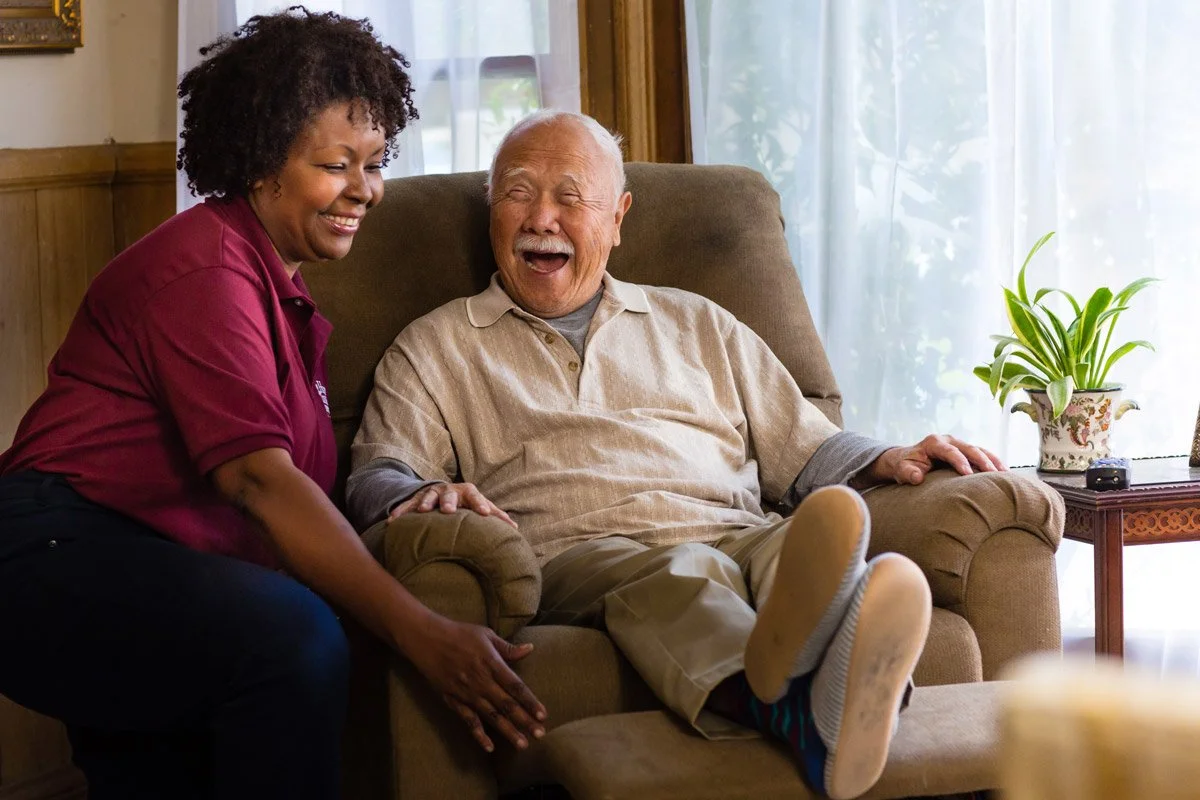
x: 247, y: 102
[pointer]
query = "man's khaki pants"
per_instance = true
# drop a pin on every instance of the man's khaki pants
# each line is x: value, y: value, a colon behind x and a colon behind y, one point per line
x: 680, y: 613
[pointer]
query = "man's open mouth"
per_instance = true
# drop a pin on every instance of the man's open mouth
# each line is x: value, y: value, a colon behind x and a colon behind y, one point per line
x: 544, y: 262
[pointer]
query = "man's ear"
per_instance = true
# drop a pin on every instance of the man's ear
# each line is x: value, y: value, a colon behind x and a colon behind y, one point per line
x: 623, y: 204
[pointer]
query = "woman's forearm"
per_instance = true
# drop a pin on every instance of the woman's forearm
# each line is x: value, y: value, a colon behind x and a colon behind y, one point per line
x: 318, y: 545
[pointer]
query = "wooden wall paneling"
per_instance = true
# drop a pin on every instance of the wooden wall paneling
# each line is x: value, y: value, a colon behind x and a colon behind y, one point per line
x: 64, y: 213
x: 143, y: 190
x: 139, y: 208
x: 75, y: 241
x: 22, y: 375
x: 32, y: 747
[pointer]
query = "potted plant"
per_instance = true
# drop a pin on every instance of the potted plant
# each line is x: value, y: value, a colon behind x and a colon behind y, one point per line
x: 1063, y: 364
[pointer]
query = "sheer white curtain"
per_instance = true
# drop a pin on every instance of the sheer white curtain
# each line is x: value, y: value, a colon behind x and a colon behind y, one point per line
x: 477, y: 66
x: 200, y: 21
x: 920, y: 147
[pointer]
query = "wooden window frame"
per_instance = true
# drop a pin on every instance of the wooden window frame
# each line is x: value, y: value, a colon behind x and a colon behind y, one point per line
x: 633, y: 74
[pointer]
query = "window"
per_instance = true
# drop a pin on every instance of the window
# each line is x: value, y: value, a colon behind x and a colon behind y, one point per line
x: 477, y: 67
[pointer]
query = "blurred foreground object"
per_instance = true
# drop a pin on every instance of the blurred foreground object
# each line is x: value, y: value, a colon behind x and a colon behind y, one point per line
x: 1072, y: 729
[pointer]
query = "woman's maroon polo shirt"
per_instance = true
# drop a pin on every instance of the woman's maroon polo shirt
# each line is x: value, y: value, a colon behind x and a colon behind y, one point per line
x: 191, y: 348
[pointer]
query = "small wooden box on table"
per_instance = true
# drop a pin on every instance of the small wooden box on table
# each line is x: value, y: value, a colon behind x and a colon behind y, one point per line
x: 1162, y: 504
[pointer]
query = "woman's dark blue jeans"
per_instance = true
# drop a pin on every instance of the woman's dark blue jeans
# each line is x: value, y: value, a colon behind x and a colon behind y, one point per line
x: 179, y: 674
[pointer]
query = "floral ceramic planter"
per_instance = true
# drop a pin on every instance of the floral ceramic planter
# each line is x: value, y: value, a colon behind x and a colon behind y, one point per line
x: 1080, y: 435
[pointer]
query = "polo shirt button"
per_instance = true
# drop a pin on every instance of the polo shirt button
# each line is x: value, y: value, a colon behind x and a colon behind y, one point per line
x: 549, y: 338
x: 53, y: 543
x: 573, y: 366
x: 298, y: 302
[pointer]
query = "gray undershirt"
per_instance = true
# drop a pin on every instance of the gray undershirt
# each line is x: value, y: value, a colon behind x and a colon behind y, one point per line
x: 375, y: 489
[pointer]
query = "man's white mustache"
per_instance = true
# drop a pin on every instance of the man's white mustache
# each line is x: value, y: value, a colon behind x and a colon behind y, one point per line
x: 527, y: 243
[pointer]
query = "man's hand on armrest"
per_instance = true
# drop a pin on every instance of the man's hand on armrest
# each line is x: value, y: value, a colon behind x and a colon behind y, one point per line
x: 911, y: 464
x: 386, y: 488
x: 448, y: 498
x: 377, y: 487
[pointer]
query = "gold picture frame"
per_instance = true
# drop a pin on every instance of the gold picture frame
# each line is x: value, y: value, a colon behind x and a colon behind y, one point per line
x: 1194, y: 460
x: 34, y: 26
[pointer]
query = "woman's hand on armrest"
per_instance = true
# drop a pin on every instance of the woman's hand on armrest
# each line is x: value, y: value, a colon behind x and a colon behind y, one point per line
x: 466, y: 663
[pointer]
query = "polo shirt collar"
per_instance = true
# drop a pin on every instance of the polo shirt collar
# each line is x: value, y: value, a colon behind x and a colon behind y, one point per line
x: 241, y: 217
x: 487, y: 307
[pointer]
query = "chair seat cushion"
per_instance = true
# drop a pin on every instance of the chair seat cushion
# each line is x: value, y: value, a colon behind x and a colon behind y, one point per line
x: 946, y: 744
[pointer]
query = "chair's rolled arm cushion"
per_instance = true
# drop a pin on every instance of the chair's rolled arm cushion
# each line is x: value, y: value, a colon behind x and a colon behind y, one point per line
x: 942, y: 523
x: 493, y: 552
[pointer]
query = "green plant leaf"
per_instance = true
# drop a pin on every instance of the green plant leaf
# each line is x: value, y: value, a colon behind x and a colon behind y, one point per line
x: 998, y: 367
x: 984, y: 373
x: 1089, y: 323
x: 1081, y: 373
x: 1059, y: 355
x: 1043, y: 292
x: 1001, y: 341
x: 1047, y: 347
x: 1020, y: 381
x: 1068, y: 348
x: 1033, y: 362
x: 1133, y: 288
x: 1119, y: 353
x: 1098, y: 354
x: 1023, y: 325
x: 1112, y: 312
x: 1060, y: 392
x: 1021, y: 275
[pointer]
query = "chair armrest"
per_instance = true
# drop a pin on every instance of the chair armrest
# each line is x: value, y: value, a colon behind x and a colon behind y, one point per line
x: 468, y: 568
x: 422, y: 551
x: 986, y: 543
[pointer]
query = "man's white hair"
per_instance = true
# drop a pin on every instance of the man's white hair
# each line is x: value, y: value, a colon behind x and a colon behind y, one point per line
x: 610, y: 144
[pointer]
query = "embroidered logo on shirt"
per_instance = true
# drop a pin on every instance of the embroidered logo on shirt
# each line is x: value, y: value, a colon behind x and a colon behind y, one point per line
x: 324, y: 395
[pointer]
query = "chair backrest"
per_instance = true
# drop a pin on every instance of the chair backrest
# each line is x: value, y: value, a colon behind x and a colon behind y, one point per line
x: 713, y: 230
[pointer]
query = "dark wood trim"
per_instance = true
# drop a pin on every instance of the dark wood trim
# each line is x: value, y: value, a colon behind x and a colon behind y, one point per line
x: 673, y: 130
x: 150, y: 162
x: 598, y: 61
x: 86, y: 165
x: 23, y: 169
x: 633, y: 74
x: 633, y: 40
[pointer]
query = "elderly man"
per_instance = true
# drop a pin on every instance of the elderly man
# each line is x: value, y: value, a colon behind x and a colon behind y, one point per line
x: 634, y: 434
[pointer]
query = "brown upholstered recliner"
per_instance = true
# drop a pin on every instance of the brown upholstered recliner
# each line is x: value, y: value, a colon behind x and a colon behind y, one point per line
x: 986, y: 542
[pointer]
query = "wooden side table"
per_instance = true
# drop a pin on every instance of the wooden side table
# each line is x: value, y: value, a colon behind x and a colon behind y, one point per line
x: 1161, y: 505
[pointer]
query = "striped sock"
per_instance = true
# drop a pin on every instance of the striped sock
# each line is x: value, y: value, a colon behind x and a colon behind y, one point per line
x: 789, y: 718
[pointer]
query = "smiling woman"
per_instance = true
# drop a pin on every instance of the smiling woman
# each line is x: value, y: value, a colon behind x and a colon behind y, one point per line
x: 169, y: 489
x: 333, y: 170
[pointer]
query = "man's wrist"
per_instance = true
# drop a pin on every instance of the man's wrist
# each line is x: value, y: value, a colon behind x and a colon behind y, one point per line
x: 881, y: 470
